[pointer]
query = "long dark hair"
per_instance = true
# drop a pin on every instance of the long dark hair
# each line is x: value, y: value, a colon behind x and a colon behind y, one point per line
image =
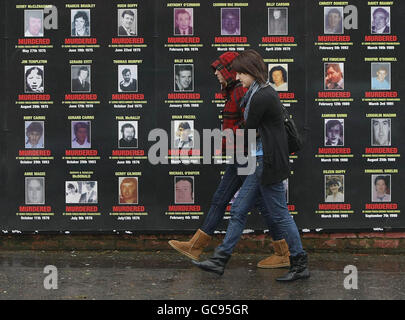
x: 251, y: 62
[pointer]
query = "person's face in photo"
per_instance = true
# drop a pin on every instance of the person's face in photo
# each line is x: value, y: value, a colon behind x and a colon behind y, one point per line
x: 183, y: 192
x: 277, y: 77
x: 184, y: 78
x: 128, y: 191
x: 334, y: 134
x: 127, y: 21
x: 333, y: 76
x: 334, y: 19
x: 127, y: 76
x: 81, y: 135
x: 34, y: 137
x: 183, y: 21
x: 89, y: 187
x: 381, y: 74
x: 79, y: 24
x: 334, y: 188
x: 380, y: 187
x: 71, y: 190
x: 183, y: 133
x: 83, y: 75
x: 380, y: 20
x: 276, y: 14
x: 34, y: 80
x: 381, y: 128
x: 230, y: 22
x: 34, y: 25
x: 34, y: 191
x: 129, y: 134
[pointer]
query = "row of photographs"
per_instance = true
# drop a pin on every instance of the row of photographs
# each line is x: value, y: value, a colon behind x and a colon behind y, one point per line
x: 183, y: 133
x: 184, y: 189
x: 127, y: 77
x: 183, y: 21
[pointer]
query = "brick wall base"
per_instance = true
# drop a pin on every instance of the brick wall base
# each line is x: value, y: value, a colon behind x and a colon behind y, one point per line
x: 376, y: 242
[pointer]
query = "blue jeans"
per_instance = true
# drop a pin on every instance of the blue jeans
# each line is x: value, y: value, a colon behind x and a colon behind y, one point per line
x: 229, y: 185
x: 273, y: 197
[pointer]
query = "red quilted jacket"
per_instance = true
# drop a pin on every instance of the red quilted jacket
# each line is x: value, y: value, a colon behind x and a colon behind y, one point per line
x: 232, y: 114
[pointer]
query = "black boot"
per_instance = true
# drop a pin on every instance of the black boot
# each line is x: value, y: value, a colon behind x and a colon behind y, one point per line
x: 298, y: 268
x: 214, y: 264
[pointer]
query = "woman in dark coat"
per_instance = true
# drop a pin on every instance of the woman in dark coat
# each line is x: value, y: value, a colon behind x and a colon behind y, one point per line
x: 264, y: 113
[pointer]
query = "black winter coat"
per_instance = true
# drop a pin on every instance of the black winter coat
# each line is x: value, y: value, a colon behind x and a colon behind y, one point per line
x: 265, y: 114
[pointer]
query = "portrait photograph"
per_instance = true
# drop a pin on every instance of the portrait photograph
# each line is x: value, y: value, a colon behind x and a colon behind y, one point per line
x: 333, y: 20
x: 381, y: 188
x: 80, y: 22
x: 183, y: 190
x: 81, y: 192
x: 380, y: 20
x: 183, y: 77
x: 334, y: 188
x: 230, y: 22
x: 334, y: 132
x: 80, y: 133
x: 34, y: 190
x: 34, y: 134
x: 127, y: 134
x: 183, y: 134
x: 381, y: 132
x: 127, y: 78
x: 183, y: 21
x: 127, y: 22
x: 381, y: 76
x: 128, y: 190
x: 277, y: 21
x: 80, y: 78
x: 34, y: 77
x: 278, y: 76
x: 333, y: 75
x: 33, y: 23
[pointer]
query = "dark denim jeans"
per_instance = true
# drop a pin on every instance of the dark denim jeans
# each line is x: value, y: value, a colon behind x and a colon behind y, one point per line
x: 229, y: 185
x: 273, y: 197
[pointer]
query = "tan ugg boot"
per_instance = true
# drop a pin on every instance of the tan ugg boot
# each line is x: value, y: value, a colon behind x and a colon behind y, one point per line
x: 194, y: 247
x: 279, y: 259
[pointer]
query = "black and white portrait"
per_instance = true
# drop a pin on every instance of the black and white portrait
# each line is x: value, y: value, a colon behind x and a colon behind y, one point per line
x: 34, y: 190
x: 334, y: 132
x: 128, y: 134
x: 128, y: 78
x: 381, y: 132
x: 80, y: 78
x: 183, y: 77
x: 127, y: 22
x: 277, y: 21
x: 80, y: 22
x: 183, y: 134
x: 34, y: 79
x: 81, y: 192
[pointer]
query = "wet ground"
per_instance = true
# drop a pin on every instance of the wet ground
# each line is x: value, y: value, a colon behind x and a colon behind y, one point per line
x: 167, y: 275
